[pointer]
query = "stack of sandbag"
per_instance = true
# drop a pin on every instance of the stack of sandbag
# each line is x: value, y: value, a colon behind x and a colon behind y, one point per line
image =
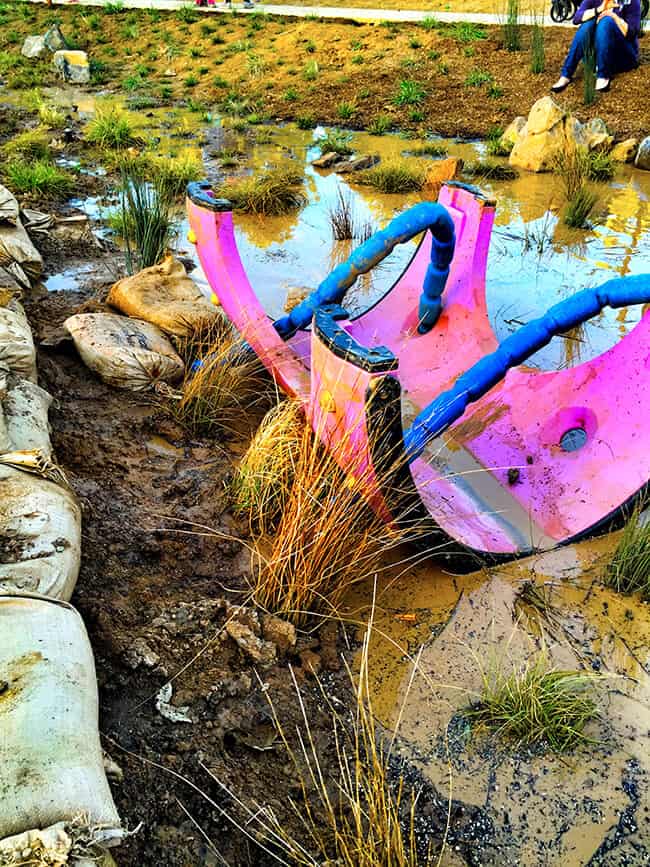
x: 55, y: 804
x: 18, y: 256
x: 164, y: 296
x: 50, y: 753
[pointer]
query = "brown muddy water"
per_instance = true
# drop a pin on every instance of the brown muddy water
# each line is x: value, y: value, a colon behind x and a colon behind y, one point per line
x: 434, y: 633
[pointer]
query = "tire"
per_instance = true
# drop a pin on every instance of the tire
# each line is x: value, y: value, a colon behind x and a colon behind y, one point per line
x: 560, y: 10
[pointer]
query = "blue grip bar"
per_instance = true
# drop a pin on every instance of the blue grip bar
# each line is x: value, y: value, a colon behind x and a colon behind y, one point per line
x: 449, y: 406
x: 426, y: 215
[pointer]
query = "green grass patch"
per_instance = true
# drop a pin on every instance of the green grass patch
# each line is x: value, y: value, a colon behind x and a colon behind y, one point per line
x: 273, y: 192
x: 336, y: 141
x: 39, y: 177
x: 410, y: 93
x: 396, y: 176
x: 629, y: 569
x: 110, y: 128
x: 537, y: 705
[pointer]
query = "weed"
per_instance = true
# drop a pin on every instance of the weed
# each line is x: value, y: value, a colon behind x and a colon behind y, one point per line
x: 310, y: 47
x: 431, y: 23
x: 579, y: 207
x: 512, y: 27
x: 429, y: 150
x: 272, y: 192
x: 29, y: 145
x: 305, y: 121
x: 346, y: 110
x: 397, y: 176
x: 341, y: 216
x: 310, y: 72
x: 380, y: 125
x: 537, y: 48
x: 443, y: 68
x: 39, y: 177
x: 146, y: 219
x: 490, y: 170
x: 291, y: 94
x: 537, y: 704
x: 113, y: 7
x: 357, y: 59
x: 336, y: 141
x: 600, y: 166
x: 589, y: 73
x: 465, y: 31
x: 110, y: 128
x: 495, y: 92
x: 256, y: 66
x: 477, y: 78
x: 187, y: 14
x: 172, y: 175
x: 410, y: 93
x: 629, y: 569
x: 191, y: 80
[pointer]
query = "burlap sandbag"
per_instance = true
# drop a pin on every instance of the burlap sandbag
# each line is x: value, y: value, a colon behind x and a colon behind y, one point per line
x: 40, y: 536
x: 17, y: 352
x: 165, y: 296
x: 125, y: 353
x: 50, y: 753
x: 24, y: 421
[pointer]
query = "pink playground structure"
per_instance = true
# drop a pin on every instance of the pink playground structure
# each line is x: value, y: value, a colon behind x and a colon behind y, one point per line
x: 446, y: 424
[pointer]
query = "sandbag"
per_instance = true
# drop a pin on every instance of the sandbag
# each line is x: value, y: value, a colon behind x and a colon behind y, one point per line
x: 50, y: 754
x: 40, y: 537
x: 17, y: 352
x: 24, y: 423
x: 17, y: 253
x: 165, y: 296
x: 126, y: 353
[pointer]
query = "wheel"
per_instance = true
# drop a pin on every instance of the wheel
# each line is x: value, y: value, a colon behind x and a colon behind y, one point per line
x: 560, y: 10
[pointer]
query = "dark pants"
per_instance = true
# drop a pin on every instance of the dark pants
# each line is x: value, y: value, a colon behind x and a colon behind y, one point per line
x: 614, y: 53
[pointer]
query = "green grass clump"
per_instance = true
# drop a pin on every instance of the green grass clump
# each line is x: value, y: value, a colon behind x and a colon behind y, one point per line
x: 346, y: 110
x: 273, y: 192
x: 477, y: 78
x: 465, y: 31
x: 39, y: 177
x: 144, y: 218
x: 496, y: 146
x: 600, y: 166
x: 589, y: 74
x: 537, y: 49
x: 410, y: 93
x: 629, y: 569
x: 173, y: 175
x: 110, y: 128
x: 336, y: 141
x: 512, y: 27
x: 490, y: 170
x: 429, y: 150
x: 397, y: 176
x: 380, y: 125
x: 537, y: 705
x: 579, y: 208
x: 30, y: 145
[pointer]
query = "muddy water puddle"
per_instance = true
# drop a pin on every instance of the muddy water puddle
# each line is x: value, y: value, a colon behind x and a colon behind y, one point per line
x: 435, y: 635
x: 534, y: 261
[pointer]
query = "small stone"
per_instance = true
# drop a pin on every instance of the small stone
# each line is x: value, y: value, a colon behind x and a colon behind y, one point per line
x: 327, y: 160
x: 260, y: 651
x: 295, y: 295
x: 279, y: 632
x: 33, y: 46
x: 54, y: 39
x: 111, y: 768
x: 624, y: 151
x: 310, y: 662
x: 140, y: 654
x: 73, y: 66
x: 642, y: 160
x: 597, y: 135
x: 357, y: 165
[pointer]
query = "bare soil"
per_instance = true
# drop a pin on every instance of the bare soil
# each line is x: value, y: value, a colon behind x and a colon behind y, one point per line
x: 263, y: 66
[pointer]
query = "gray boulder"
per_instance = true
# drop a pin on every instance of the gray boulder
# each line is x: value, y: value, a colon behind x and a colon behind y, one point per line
x: 357, y: 165
x: 73, y: 66
x: 54, y: 39
x: 33, y: 46
x: 642, y: 160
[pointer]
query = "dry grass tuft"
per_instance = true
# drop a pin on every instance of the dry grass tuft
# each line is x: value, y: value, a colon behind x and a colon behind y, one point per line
x: 365, y: 815
x: 273, y: 192
x: 265, y: 476
x: 223, y: 379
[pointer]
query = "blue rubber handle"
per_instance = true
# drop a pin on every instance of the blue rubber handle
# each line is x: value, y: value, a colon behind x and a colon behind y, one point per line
x: 449, y: 406
x: 426, y: 215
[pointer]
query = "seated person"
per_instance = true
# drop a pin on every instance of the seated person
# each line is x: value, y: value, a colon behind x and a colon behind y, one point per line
x: 612, y: 27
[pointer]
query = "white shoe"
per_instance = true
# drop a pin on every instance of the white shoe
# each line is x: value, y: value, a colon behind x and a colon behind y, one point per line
x: 602, y: 84
x: 561, y: 84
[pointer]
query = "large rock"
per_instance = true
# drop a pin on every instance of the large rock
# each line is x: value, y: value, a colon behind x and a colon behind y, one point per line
x: 548, y: 132
x: 513, y: 131
x: 73, y: 66
x: 33, y: 46
x: 357, y: 164
x: 54, y: 39
x: 642, y: 160
x: 624, y: 151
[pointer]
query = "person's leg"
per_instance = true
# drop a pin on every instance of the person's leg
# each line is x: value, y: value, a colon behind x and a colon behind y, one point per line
x: 578, y: 46
x: 613, y: 52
